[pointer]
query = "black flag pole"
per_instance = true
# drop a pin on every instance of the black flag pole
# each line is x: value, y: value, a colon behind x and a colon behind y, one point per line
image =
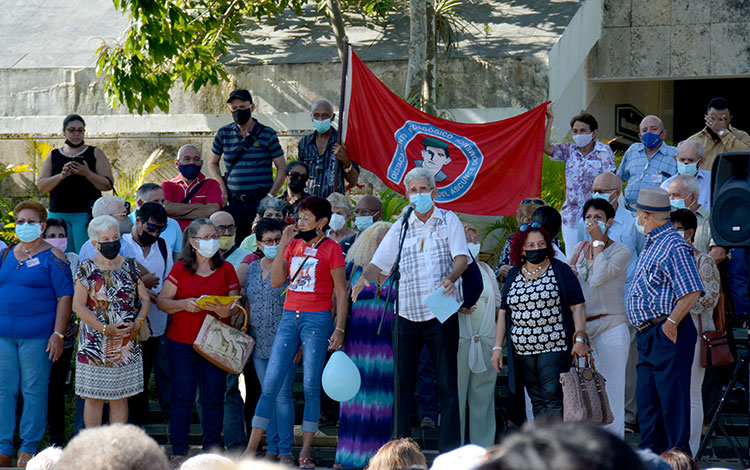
x: 342, y: 103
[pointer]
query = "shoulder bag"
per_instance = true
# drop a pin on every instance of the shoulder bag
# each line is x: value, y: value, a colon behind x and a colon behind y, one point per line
x: 715, y: 349
x: 223, y: 346
x: 584, y: 395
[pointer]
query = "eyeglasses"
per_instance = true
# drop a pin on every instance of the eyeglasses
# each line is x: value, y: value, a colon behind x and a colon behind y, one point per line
x: 271, y: 242
x: 533, y: 225
x: 532, y: 201
x: 155, y: 228
x: 226, y: 228
x: 295, y: 174
x: 30, y: 221
x: 366, y: 211
x: 207, y: 237
x: 76, y: 130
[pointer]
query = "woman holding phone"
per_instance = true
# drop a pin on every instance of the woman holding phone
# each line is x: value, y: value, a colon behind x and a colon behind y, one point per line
x: 74, y: 176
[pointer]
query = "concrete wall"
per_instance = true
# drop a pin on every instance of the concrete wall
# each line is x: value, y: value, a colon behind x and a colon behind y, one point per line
x: 672, y: 39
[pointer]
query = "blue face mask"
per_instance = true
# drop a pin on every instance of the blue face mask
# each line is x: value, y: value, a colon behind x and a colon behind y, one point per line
x: 602, y: 226
x: 191, y: 171
x: 322, y: 126
x: 28, y: 232
x: 270, y: 251
x: 651, y: 140
x: 678, y: 203
x: 363, y: 222
x: 422, y: 202
x: 687, y: 168
x: 604, y: 196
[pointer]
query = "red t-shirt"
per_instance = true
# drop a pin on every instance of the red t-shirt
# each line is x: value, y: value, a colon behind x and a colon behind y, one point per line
x: 185, y: 325
x: 312, y: 289
x: 176, y: 190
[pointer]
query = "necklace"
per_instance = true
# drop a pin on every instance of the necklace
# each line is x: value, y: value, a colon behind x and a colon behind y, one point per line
x: 530, y: 274
x: 28, y: 257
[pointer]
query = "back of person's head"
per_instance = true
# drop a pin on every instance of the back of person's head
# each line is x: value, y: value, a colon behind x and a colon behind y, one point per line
x: 46, y: 459
x: 398, y: 454
x: 549, y: 218
x: 679, y: 460
x: 207, y: 462
x: 113, y: 447
x: 562, y: 446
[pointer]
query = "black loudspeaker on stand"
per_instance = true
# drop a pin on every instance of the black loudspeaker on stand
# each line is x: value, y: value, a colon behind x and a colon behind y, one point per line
x: 730, y: 199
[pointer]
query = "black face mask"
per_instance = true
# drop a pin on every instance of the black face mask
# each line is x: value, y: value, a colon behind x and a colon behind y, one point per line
x: 297, y: 185
x: 307, y: 235
x: 241, y: 116
x: 536, y: 256
x: 110, y: 250
x: 73, y: 146
x: 147, y: 239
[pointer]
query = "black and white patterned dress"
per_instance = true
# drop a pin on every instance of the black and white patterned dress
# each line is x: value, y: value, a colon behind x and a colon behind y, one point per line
x: 536, y: 319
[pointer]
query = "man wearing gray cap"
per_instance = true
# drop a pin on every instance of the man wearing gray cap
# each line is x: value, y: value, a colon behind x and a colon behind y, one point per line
x: 249, y: 148
x: 665, y: 287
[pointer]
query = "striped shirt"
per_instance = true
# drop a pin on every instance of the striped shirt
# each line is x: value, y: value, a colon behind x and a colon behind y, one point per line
x: 639, y: 171
x: 257, y: 151
x: 322, y: 168
x: 665, y: 273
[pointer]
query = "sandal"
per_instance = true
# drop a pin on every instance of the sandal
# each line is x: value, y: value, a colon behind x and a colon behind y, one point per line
x: 306, y: 463
x: 23, y: 459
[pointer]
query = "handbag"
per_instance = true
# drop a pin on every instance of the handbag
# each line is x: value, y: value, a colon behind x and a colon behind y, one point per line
x: 584, y: 395
x: 223, y: 346
x: 715, y: 350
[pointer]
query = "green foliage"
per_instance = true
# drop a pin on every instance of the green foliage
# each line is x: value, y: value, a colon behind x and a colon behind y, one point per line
x: 553, y: 182
x: 7, y: 223
x: 131, y: 178
x: 393, y: 204
x: 174, y: 40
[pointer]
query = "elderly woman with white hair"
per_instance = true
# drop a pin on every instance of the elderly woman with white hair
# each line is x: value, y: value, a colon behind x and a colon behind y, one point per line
x: 116, y: 207
x: 112, y: 302
x: 342, y: 212
x: 365, y: 420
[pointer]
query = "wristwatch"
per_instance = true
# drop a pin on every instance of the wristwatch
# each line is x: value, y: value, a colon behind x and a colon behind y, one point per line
x: 598, y: 243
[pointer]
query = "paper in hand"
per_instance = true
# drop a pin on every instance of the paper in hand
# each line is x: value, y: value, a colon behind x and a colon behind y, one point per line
x: 441, y: 305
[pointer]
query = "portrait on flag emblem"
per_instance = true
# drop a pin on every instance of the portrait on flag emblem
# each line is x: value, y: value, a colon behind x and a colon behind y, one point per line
x: 453, y: 159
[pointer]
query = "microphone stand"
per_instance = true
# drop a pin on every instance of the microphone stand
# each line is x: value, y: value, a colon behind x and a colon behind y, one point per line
x: 394, y: 287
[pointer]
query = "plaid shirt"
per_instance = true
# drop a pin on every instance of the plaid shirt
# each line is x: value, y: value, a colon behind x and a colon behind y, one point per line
x: 639, y: 171
x: 257, y: 150
x: 665, y: 273
x: 426, y: 259
x: 322, y: 167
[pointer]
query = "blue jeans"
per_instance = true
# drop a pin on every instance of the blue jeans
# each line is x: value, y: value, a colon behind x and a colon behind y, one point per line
x: 280, y: 431
x: 24, y: 366
x: 234, y: 414
x: 541, y: 377
x: 187, y: 368
x: 75, y: 223
x: 312, y: 330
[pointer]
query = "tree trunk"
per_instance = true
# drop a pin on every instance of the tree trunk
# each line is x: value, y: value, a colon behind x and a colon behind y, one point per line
x: 429, y: 95
x: 415, y: 77
x: 337, y: 25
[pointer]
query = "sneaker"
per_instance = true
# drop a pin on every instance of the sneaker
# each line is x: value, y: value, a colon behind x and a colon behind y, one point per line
x: 428, y: 423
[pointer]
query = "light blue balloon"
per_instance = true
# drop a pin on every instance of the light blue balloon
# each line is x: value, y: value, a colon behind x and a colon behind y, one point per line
x: 341, y: 379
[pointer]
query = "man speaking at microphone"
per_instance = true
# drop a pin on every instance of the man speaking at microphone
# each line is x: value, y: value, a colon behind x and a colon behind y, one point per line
x: 434, y: 254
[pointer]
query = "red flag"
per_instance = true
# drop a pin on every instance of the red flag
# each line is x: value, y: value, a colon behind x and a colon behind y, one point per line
x: 482, y: 169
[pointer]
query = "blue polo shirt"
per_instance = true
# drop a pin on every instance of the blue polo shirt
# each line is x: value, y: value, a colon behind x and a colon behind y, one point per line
x: 639, y: 171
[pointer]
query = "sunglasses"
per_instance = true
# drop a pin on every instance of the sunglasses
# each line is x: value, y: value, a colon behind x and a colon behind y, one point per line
x: 533, y: 225
x: 155, y: 228
x: 532, y: 201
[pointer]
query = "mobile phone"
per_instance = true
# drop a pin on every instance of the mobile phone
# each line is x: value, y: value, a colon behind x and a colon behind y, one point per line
x: 79, y: 160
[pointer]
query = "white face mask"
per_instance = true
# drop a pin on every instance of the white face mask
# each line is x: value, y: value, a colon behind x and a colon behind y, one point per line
x: 474, y: 249
x: 207, y: 248
x: 583, y: 140
x: 337, y: 222
x: 641, y: 228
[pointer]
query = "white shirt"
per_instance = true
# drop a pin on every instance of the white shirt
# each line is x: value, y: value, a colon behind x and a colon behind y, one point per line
x: 421, y: 270
x: 88, y: 251
x: 704, y: 181
x: 154, y: 262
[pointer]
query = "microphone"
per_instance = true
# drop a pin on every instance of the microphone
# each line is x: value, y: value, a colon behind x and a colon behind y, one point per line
x: 408, y: 211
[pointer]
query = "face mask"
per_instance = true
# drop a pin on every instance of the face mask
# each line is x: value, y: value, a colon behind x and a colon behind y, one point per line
x: 271, y: 251
x: 322, y: 126
x: 59, y: 243
x: 422, y: 202
x: 687, y: 168
x: 297, y: 185
x: 73, y: 146
x: 602, y: 226
x: 337, y: 222
x: 147, y: 239
x: 604, y: 196
x: 190, y: 172
x: 641, y: 228
x: 536, y: 256
x: 583, y: 140
x: 682, y: 233
x: 307, y: 235
x: 651, y: 140
x: 226, y: 242
x: 678, y: 203
x: 126, y: 225
x: 474, y: 249
x: 363, y: 222
x: 207, y: 248
x: 110, y: 250
x: 28, y: 232
x: 241, y: 116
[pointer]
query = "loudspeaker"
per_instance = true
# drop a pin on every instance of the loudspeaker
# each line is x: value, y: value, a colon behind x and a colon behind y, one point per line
x: 730, y: 199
